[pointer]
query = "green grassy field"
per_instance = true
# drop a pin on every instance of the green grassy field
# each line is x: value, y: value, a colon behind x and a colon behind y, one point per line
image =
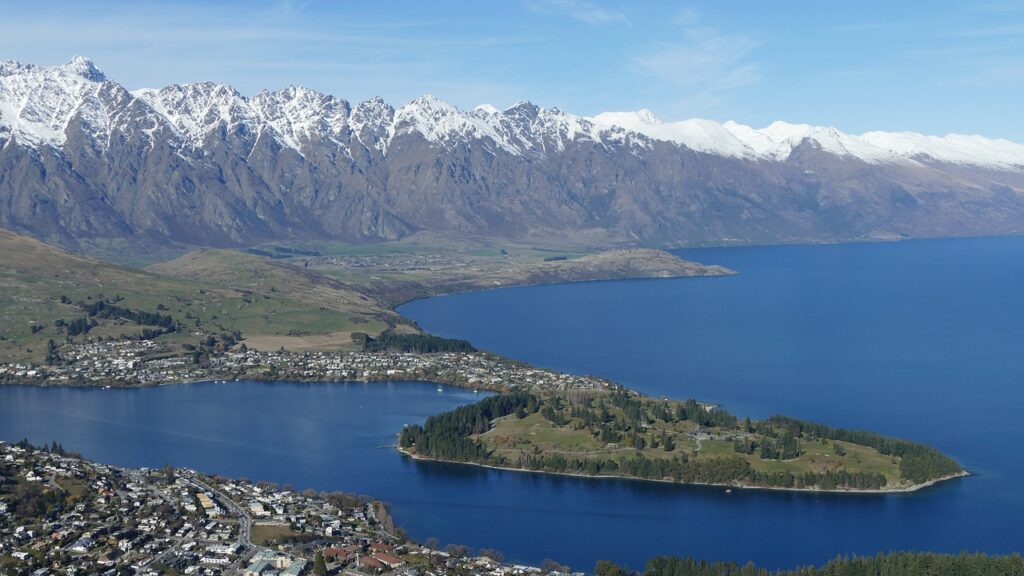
x: 263, y: 534
x: 516, y: 438
x: 73, y: 487
x: 817, y: 457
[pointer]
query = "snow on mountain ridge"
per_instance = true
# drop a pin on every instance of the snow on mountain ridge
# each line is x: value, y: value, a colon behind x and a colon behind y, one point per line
x: 439, y: 121
x: 38, y: 103
x: 777, y: 140
x: 774, y: 142
x: 697, y: 134
x: 196, y: 109
x: 519, y: 129
x: 952, y: 148
x: 85, y: 68
x: 486, y: 109
x: 298, y: 114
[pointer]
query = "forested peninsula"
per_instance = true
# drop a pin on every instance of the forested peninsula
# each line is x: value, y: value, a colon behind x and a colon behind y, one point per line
x: 621, y: 434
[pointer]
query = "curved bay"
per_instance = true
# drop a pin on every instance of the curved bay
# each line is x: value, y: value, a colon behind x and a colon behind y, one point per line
x: 917, y: 339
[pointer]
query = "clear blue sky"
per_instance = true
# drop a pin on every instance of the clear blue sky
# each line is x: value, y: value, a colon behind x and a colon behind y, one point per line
x: 933, y: 67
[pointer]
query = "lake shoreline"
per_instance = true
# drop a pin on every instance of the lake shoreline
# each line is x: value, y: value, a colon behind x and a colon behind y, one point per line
x: 706, y: 271
x: 868, y: 492
x: 713, y: 271
x: 257, y: 378
x: 666, y: 266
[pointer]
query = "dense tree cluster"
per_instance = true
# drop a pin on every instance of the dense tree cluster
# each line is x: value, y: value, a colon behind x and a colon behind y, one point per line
x: 636, y: 416
x: 895, y: 563
x: 267, y: 253
x: 35, y: 501
x: 447, y: 436
x: 719, y: 470
x: 786, y: 447
x: 918, y: 463
x: 296, y: 251
x: 77, y: 326
x: 53, y: 356
x: 638, y: 410
x: 390, y: 341
x: 163, y: 324
x: 280, y: 252
x: 210, y: 345
x: 104, y: 309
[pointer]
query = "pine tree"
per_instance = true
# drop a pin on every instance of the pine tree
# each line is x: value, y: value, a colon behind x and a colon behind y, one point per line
x: 319, y: 565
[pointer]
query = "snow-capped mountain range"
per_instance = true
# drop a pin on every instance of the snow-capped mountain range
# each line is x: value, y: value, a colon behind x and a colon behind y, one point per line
x: 273, y: 158
x: 777, y: 141
x: 37, y: 104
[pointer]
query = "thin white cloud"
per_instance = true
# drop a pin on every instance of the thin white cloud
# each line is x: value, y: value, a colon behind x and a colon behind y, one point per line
x: 703, y: 65
x: 1000, y: 31
x: 984, y: 55
x: 865, y: 27
x: 987, y: 72
x: 578, y: 10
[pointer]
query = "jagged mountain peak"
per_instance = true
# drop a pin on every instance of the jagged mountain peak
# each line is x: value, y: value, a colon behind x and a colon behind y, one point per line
x: 486, y: 109
x: 11, y: 67
x: 78, y: 66
x: 430, y: 101
x: 37, y: 103
x: 375, y: 102
x: 84, y: 67
x: 523, y: 108
x: 443, y: 124
x: 205, y: 90
x: 299, y: 115
x: 372, y: 123
x: 195, y: 109
x: 299, y: 92
x: 373, y: 111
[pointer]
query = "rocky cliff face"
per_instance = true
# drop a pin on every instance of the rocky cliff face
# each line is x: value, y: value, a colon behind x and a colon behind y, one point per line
x: 83, y: 158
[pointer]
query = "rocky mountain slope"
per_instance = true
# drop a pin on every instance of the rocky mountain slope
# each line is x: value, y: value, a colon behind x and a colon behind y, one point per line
x: 83, y: 159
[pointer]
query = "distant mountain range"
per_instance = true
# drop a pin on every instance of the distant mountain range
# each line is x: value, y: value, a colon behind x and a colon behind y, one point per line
x: 82, y: 158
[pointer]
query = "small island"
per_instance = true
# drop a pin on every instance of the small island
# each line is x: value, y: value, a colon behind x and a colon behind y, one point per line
x: 621, y: 434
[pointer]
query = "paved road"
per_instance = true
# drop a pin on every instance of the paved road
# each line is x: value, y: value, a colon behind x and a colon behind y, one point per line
x: 244, y: 521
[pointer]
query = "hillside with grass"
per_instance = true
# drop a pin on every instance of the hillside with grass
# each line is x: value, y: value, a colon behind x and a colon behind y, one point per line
x: 323, y: 312
x: 52, y: 298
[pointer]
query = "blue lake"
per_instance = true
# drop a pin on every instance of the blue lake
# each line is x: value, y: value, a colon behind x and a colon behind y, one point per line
x: 916, y: 339
x: 921, y: 339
